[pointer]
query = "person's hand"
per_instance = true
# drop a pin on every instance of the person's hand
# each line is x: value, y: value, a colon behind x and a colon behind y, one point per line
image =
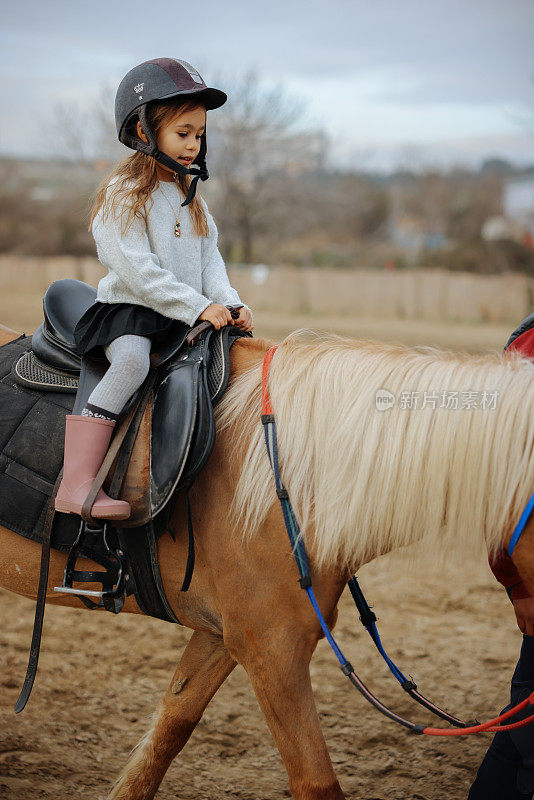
x: 244, y: 321
x: 218, y: 315
x: 524, y: 613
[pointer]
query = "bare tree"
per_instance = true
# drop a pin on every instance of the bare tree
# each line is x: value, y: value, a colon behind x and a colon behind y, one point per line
x: 85, y: 130
x: 252, y: 138
x: 106, y: 144
x: 68, y: 131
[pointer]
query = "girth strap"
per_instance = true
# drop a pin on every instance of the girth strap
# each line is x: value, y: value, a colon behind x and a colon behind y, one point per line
x: 190, y: 565
x: 140, y: 546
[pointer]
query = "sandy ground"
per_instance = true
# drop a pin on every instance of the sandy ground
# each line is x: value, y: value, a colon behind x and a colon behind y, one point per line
x: 100, y: 677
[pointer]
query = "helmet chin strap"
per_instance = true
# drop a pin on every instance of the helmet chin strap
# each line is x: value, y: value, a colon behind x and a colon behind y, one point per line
x: 199, y: 171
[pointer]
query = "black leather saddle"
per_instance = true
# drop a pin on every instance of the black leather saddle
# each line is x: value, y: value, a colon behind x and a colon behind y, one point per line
x: 64, y: 303
x: 188, y: 377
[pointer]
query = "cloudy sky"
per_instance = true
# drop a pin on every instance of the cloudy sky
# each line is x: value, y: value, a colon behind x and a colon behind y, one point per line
x: 392, y: 81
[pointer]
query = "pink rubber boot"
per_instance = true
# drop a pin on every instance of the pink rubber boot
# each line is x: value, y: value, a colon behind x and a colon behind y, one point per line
x: 86, y: 444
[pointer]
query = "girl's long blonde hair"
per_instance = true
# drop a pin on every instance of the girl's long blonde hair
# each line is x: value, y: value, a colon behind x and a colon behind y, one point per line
x: 136, y: 177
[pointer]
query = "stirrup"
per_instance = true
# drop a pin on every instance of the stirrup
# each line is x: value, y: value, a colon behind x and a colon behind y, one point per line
x: 112, y: 595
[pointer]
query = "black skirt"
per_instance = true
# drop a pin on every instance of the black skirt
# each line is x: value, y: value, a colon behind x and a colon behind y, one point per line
x: 103, y: 322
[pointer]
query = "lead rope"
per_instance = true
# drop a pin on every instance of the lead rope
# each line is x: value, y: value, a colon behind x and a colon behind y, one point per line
x: 367, y: 617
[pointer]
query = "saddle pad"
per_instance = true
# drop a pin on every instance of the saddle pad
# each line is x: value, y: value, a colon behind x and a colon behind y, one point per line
x: 32, y: 430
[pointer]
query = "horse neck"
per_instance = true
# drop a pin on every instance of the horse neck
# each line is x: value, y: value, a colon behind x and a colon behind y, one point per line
x: 365, y: 482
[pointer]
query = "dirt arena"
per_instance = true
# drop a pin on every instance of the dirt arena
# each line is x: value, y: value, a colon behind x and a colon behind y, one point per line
x: 100, y: 677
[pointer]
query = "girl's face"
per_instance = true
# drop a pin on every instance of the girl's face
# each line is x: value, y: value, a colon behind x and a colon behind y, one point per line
x: 179, y: 138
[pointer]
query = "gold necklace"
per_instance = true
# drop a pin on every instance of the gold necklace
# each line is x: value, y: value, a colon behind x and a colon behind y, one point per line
x: 177, y: 229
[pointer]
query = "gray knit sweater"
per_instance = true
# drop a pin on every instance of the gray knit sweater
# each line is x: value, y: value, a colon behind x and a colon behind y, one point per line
x: 150, y: 266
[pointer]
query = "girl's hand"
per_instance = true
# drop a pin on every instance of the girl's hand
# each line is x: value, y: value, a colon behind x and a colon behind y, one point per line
x: 244, y: 321
x: 218, y: 315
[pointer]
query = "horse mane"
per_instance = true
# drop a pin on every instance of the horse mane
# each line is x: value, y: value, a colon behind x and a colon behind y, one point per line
x: 363, y: 482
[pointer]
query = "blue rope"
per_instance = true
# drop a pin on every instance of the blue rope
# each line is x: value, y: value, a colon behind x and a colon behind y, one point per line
x: 299, y: 551
x: 295, y: 539
x: 375, y: 636
x: 326, y: 630
x: 520, y: 525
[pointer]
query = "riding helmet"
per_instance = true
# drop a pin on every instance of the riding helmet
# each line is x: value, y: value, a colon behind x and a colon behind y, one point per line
x: 158, y: 80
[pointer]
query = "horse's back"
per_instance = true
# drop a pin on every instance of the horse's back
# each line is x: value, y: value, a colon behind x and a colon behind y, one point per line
x: 7, y: 335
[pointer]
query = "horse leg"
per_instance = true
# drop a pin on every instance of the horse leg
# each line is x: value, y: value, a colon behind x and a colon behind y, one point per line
x: 278, y: 668
x: 204, y: 666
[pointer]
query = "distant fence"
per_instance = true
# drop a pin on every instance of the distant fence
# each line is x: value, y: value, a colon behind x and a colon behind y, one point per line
x: 413, y: 294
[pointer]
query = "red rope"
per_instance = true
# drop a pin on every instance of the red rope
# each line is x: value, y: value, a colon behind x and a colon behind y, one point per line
x: 513, y: 725
x: 490, y: 725
x: 266, y: 407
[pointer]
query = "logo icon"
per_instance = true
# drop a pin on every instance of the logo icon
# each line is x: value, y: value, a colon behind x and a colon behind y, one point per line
x: 192, y: 71
x: 384, y: 400
x: 138, y: 88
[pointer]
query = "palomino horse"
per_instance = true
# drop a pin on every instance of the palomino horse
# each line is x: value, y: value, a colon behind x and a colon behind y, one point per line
x: 363, y: 481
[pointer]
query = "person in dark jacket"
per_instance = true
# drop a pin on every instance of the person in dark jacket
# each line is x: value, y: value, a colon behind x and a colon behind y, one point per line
x: 507, y: 769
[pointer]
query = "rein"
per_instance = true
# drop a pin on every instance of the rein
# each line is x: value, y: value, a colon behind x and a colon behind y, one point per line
x: 367, y: 617
x: 518, y: 530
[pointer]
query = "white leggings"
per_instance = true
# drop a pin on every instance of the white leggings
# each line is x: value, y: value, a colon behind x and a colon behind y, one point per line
x: 129, y: 358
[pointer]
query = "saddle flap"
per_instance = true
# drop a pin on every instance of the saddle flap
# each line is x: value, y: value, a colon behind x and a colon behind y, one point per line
x: 177, y: 432
x: 204, y: 434
x: 164, y: 438
x: 174, y: 417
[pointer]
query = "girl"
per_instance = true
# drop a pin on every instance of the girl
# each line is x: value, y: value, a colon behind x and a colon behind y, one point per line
x: 164, y: 267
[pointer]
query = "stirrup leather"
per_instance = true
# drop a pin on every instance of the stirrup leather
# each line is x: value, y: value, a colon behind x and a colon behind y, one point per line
x: 112, y: 595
